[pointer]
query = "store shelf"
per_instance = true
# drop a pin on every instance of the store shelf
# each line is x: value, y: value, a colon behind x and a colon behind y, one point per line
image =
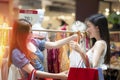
x: 115, y: 37
x: 114, y: 32
x: 116, y: 43
x: 5, y: 28
x: 4, y: 1
x: 114, y: 67
x: 115, y: 59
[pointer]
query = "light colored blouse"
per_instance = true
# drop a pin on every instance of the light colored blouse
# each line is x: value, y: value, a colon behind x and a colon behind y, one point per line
x: 76, y: 60
x: 90, y: 53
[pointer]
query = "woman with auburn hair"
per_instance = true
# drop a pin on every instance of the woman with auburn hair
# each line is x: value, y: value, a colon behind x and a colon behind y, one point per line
x: 25, y: 51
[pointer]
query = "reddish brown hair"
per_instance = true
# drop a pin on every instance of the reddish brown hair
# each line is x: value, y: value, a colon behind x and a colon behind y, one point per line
x: 20, y: 37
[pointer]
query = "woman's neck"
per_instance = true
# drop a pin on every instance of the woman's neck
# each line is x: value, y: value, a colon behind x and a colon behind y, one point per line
x: 98, y: 38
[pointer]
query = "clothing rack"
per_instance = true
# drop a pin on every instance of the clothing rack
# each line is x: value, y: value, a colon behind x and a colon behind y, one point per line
x: 62, y: 31
x: 50, y: 30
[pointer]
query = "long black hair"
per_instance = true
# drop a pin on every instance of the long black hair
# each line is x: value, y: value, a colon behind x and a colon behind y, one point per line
x: 101, y: 21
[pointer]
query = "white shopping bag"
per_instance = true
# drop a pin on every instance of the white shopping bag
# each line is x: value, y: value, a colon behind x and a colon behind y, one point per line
x: 14, y: 73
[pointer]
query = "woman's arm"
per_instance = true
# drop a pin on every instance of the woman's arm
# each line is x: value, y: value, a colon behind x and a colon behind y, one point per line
x: 20, y: 61
x: 62, y: 75
x: 61, y: 42
x: 75, y: 46
x: 98, y: 50
x: 28, y: 68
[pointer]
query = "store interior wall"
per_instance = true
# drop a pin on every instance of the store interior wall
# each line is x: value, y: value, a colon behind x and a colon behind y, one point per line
x: 53, y: 19
x: 80, y: 12
x: 73, y: 9
x: 85, y: 8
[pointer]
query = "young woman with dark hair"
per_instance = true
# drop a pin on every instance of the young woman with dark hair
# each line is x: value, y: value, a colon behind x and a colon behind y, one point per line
x: 97, y: 30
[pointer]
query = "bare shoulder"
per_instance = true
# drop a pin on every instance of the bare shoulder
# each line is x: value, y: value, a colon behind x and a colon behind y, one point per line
x: 100, y: 46
x: 100, y: 43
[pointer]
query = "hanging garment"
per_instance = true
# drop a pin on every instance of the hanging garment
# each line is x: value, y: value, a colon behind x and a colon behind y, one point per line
x: 45, y: 61
x: 75, y: 57
x: 53, y: 60
x: 63, y: 54
x: 64, y: 59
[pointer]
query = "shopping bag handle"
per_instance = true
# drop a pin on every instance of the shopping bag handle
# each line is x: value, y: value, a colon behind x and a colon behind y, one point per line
x: 32, y: 75
x: 87, y: 62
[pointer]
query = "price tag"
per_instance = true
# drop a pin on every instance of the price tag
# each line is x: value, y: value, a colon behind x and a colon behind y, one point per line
x: 30, y: 15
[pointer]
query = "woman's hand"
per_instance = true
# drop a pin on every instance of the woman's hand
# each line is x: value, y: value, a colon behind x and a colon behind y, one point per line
x: 74, y: 45
x: 64, y: 75
x: 74, y: 36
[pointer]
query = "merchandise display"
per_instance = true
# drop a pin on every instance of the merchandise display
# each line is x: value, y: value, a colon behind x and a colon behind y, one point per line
x: 115, y: 49
x: 114, y: 68
x: 59, y: 37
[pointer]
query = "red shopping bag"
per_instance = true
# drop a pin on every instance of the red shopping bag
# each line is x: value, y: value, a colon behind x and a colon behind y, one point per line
x: 83, y: 74
x: 48, y: 79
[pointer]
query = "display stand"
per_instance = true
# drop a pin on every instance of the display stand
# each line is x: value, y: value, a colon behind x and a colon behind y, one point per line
x: 113, y: 72
x: 6, y: 19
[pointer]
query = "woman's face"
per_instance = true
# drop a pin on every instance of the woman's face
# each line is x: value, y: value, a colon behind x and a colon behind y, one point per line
x: 92, y: 30
x: 30, y: 33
